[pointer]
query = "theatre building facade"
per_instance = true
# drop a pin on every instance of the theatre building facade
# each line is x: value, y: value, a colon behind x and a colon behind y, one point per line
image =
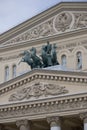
x: 52, y: 97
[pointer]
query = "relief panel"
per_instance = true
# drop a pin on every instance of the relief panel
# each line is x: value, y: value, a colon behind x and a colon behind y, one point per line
x: 64, y: 22
x: 38, y: 90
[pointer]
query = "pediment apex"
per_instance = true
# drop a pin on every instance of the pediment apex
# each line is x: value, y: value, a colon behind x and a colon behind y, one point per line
x: 62, y: 18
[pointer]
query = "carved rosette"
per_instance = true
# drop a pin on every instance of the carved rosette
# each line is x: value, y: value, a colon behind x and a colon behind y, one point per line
x: 63, y: 21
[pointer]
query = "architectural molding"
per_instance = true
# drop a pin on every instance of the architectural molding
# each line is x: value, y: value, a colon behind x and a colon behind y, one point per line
x: 38, y: 74
x: 62, y: 22
x: 65, y: 105
x: 63, y: 6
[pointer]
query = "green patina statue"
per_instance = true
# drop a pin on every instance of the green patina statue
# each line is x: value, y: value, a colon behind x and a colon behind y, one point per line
x: 47, y: 58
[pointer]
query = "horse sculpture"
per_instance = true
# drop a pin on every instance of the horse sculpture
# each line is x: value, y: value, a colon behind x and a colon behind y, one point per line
x: 27, y: 58
x: 48, y: 57
x: 37, y: 61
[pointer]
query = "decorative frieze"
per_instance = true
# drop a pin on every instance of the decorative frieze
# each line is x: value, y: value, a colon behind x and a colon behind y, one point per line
x: 64, y: 22
x: 80, y: 20
x: 38, y: 90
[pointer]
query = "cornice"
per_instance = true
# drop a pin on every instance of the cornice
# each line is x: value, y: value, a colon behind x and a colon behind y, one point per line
x: 52, y: 75
x: 64, y: 36
x: 58, y: 106
x: 81, y: 6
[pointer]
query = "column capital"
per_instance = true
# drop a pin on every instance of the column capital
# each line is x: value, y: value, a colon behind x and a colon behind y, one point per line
x: 83, y: 116
x: 22, y: 122
x: 54, y: 121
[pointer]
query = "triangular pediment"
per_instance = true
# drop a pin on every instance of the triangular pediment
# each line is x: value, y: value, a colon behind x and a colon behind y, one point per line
x: 61, y: 19
x: 39, y: 93
x: 42, y: 85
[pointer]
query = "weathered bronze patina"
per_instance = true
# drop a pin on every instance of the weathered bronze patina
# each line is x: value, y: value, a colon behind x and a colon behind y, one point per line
x: 47, y: 58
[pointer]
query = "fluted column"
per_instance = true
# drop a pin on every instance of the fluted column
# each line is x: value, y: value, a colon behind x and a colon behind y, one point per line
x: 23, y: 124
x: 54, y: 123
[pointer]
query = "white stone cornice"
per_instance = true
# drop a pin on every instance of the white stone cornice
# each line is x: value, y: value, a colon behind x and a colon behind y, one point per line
x: 60, y: 37
x: 58, y: 106
x: 76, y: 77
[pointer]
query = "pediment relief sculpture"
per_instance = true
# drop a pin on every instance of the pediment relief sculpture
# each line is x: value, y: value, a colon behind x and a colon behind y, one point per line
x: 38, y: 90
x: 65, y: 21
x: 80, y: 20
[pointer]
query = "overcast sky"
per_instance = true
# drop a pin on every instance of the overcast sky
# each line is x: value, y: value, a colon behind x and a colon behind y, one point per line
x: 14, y: 12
